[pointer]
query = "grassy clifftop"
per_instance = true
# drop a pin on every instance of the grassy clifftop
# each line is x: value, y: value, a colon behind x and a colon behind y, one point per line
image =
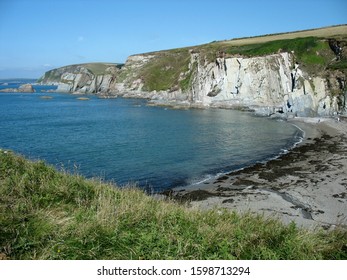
x: 45, y: 214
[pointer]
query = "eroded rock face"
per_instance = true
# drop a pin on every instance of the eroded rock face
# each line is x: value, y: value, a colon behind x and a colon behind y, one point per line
x: 268, y: 84
x: 336, y: 48
x: 79, y: 79
x: 271, y: 84
x: 246, y: 81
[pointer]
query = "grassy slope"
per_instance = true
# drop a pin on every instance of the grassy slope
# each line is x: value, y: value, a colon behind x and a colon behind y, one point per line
x: 163, y: 72
x: 45, y: 214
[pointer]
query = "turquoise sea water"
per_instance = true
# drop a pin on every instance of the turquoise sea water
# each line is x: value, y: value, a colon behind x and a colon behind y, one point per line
x: 124, y: 140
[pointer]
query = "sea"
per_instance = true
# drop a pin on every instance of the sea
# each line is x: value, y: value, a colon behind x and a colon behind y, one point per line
x: 125, y: 141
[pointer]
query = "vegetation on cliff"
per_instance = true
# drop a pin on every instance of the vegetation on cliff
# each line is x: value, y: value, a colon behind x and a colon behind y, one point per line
x: 165, y: 70
x: 45, y: 214
x: 305, y: 49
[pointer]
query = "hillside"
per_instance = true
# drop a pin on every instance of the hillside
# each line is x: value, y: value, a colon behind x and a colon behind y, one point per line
x: 301, y: 73
x: 45, y: 214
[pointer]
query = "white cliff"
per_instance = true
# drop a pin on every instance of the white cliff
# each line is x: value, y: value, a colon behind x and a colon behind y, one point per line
x: 266, y: 84
x: 98, y: 78
x: 270, y: 84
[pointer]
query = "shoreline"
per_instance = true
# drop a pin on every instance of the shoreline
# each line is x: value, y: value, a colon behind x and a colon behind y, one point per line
x: 307, y: 185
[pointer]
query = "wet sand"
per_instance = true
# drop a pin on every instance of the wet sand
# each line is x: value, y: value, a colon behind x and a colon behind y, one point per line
x: 308, y: 185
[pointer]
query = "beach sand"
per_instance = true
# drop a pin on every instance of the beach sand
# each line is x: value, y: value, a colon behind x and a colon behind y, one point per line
x: 307, y: 185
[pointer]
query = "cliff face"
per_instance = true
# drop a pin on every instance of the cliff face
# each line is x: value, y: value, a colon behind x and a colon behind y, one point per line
x: 301, y: 76
x: 268, y: 84
x: 84, y: 78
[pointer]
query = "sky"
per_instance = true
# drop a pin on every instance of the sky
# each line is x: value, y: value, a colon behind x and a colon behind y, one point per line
x: 39, y: 35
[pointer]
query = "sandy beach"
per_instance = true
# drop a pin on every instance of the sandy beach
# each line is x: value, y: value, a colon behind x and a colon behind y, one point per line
x: 307, y: 185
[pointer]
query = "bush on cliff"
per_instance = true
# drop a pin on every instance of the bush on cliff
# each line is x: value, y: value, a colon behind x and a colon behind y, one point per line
x: 45, y: 214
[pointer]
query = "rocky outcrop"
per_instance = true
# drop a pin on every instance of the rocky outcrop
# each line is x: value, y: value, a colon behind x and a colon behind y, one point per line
x: 27, y: 88
x: 85, y: 82
x: 268, y: 84
x: 97, y: 78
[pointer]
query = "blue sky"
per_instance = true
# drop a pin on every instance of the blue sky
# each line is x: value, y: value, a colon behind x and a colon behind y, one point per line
x: 38, y: 35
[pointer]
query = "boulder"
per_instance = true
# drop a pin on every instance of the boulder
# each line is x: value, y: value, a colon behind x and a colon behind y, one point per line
x: 26, y: 88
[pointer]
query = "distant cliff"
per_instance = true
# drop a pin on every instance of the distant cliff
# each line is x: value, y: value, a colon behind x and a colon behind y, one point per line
x: 301, y: 73
x: 95, y: 78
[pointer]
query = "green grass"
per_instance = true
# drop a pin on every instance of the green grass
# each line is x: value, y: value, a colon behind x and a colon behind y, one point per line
x: 311, y: 52
x: 339, y: 65
x: 163, y: 72
x: 45, y: 214
x: 299, y: 45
